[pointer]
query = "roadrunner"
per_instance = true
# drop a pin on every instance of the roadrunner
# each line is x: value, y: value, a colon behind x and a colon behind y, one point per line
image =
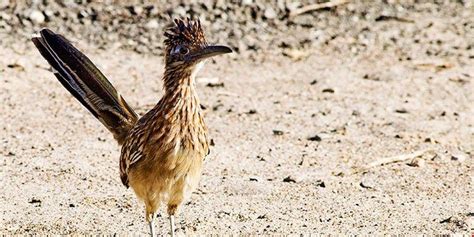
x: 163, y: 151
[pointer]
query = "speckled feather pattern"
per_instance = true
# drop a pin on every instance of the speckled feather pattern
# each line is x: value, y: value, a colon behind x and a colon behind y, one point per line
x: 162, y: 155
x: 176, y: 121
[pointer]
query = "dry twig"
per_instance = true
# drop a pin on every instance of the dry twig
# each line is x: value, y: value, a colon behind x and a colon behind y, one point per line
x: 392, y: 159
x: 316, y: 6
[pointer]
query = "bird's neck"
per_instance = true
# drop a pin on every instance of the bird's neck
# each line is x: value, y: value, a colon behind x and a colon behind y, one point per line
x: 177, y: 82
x: 180, y: 93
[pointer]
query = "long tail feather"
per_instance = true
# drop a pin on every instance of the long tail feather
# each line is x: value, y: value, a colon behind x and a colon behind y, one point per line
x: 84, y: 81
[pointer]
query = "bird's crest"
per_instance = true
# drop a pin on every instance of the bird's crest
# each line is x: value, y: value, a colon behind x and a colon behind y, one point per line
x: 188, y: 32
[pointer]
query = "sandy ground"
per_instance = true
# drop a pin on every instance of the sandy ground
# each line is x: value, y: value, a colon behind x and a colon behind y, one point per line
x: 59, y: 166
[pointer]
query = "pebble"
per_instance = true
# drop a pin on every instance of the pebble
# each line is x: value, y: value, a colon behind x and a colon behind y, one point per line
x: 295, y: 178
x: 255, y: 178
x: 220, y: 84
x: 296, y: 54
x: 320, y: 183
x: 34, y: 200
x: 277, y: 132
x: 247, y: 2
x: 315, y: 138
x: 138, y: 10
x: 254, y: 27
x: 401, y: 111
x: 5, y: 16
x: 270, y: 13
x: 37, y: 17
x: 417, y: 162
x: 252, y: 111
x: 152, y: 24
x: 367, y: 184
x: 293, y: 5
x: 49, y: 13
x: 458, y: 156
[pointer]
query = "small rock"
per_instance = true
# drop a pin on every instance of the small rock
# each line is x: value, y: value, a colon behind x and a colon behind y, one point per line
x: 277, y: 132
x: 296, y: 54
x: 255, y: 178
x: 37, y: 17
x: 72, y: 205
x: 152, y: 24
x: 34, y: 200
x: 252, y: 111
x: 328, y: 90
x: 367, y: 184
x: 101, y: 139
x: 417, y: 162
x: 458, y: 221
x: 5, y: 16
x: 320, y: 183
x: 250, y: 42
x: 458, y: 156
x: 292, y: 5
x: 371, y: 77
x: 17, y: 66
x: 270, y: 13
x: 401, y: 111
x: 315, y: 138
x: 49, y: 13
x: 304, y: 161
x: 247, y: 2
x: 138, y: 10
x: 217, y: 106
x: 293, y: 179
x: 68, y: 3
x: 220, y: 84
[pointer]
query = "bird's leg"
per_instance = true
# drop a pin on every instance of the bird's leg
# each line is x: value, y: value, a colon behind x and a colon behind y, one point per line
x: 150, y: 214
x: 172, y: 225
x: 176, y: 198
x: 152, y: 225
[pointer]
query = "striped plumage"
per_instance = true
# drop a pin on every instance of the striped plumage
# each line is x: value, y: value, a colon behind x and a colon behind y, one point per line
x: 84, y: 81
x: 163, y: 151
x: 171, y: 136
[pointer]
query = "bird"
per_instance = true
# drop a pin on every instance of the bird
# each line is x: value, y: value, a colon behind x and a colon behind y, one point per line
x: 162, y: 152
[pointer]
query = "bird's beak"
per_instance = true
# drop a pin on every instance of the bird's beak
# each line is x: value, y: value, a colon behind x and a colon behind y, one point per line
x: 210, y: 51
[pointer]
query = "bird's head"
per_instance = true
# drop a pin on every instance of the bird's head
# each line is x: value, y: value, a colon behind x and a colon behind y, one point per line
x: 186, y: 45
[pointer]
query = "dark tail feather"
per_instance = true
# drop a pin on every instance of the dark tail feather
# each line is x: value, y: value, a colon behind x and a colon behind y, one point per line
x: 85, y: 82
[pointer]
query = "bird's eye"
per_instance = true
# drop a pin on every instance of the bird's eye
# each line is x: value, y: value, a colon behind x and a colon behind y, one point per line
x: 183, y: 50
